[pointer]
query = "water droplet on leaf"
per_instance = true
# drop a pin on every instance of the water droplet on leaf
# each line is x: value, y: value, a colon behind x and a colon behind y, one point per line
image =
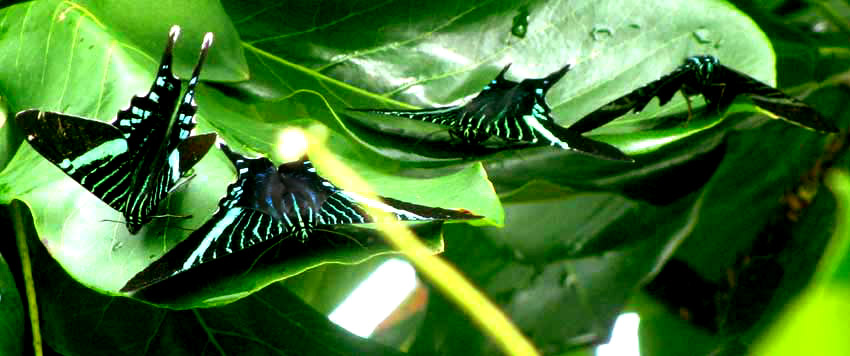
x: 520, y: 25
x: 635, y: 26
x: 702, y: 36
x: 599, y: 30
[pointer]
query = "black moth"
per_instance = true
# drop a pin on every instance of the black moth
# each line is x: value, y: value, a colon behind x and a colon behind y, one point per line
x: 719, y: 84
x: 268, y: 202
x: 134, y: 162
x: 515, y: 112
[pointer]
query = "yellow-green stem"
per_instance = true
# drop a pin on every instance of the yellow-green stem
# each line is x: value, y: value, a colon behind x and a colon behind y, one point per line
x: 441, y: 274
x: 18, y: 211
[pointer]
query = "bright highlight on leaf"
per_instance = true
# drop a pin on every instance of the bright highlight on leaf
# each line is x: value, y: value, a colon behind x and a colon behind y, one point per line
x: 376, y: 297
x: 624, y: 338
x: 292, y: 144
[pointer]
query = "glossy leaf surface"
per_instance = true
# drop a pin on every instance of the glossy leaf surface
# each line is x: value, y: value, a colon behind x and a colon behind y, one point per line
x: 77, y: 46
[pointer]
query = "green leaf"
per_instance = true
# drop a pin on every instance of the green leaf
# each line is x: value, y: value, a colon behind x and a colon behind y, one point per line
x: 79, y: 321
x: 816, y: 321
x: 88, y: 67
x: 662, y: 333
x: 540, y: 278
x: 835, y: 268
x: 636, y: 48
x: 12, y: 322
x: 144, y: 23
x: 9, y: 138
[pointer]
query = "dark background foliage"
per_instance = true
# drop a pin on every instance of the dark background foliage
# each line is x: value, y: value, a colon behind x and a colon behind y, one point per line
x: 709, y: 236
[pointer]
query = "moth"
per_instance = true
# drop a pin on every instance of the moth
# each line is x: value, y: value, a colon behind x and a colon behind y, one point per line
x: 719, y: 85
x: 268, y: 202
x: 515, y: 112
x: 133, y: 162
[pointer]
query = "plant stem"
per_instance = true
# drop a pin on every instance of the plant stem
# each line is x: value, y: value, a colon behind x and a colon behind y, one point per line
x: 18, y: 211
x: 445, y: 277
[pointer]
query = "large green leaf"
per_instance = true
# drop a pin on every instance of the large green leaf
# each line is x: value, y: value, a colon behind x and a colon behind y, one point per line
x: 381, y: 48
x: 364, y: 54
x: 143, y: 23
x: 78, y: 321
x: 70, y: 221
x: 535, y: 274
x: 701, y: 189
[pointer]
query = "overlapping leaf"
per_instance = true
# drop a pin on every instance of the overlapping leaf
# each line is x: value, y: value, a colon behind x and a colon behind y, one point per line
x: 12, y: 323
x: 86, y: 67
x: 381, y: 47
x: 79, y: 321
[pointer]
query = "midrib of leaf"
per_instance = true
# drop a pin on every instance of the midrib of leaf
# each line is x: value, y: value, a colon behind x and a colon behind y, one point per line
x: 109, y: 50
x: 309, y: 30
x: 21, y: 38
x: 404, y: 42
x: 85, y: 12
x: 70, y: 62
x: 323, y: 78
x: 475, y: 64
x: 61, y: 10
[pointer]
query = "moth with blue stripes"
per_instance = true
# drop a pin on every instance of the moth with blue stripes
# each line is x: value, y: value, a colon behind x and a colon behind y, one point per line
x: 719, y: 85
x: 133, y: 162
x: 515, y: 112
x: 268, y: 202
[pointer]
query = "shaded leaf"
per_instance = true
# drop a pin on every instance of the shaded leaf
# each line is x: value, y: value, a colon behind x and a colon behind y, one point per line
x: 79, y: 321
x: 537, y: 276
x: 75, y: 47
x: 12, y: 322
x: 640, y: 49
x: 816, y: 320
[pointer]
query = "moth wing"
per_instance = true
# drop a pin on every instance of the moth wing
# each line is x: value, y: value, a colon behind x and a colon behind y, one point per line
x: 92, y: 152
x: 775, y: 101
x: 664, y: 88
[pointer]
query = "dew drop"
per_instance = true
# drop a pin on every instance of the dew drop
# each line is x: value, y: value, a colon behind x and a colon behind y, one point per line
x: 598, y: 31
x: 520, y: 23
x: 635, y: 26
x: 702, y: 36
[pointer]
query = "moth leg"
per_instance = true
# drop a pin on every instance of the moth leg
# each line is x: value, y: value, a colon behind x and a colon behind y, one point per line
x: 690, y: 109
x: 717, y: 99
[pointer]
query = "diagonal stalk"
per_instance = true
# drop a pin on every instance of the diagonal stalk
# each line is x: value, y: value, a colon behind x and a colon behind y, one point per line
x: 18, y: 211
x: 450, y: 282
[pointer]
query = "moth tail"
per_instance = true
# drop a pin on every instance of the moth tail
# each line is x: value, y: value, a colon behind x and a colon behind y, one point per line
x: 576, y: 142
x: 597, y: 149
x: 795, y: 112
